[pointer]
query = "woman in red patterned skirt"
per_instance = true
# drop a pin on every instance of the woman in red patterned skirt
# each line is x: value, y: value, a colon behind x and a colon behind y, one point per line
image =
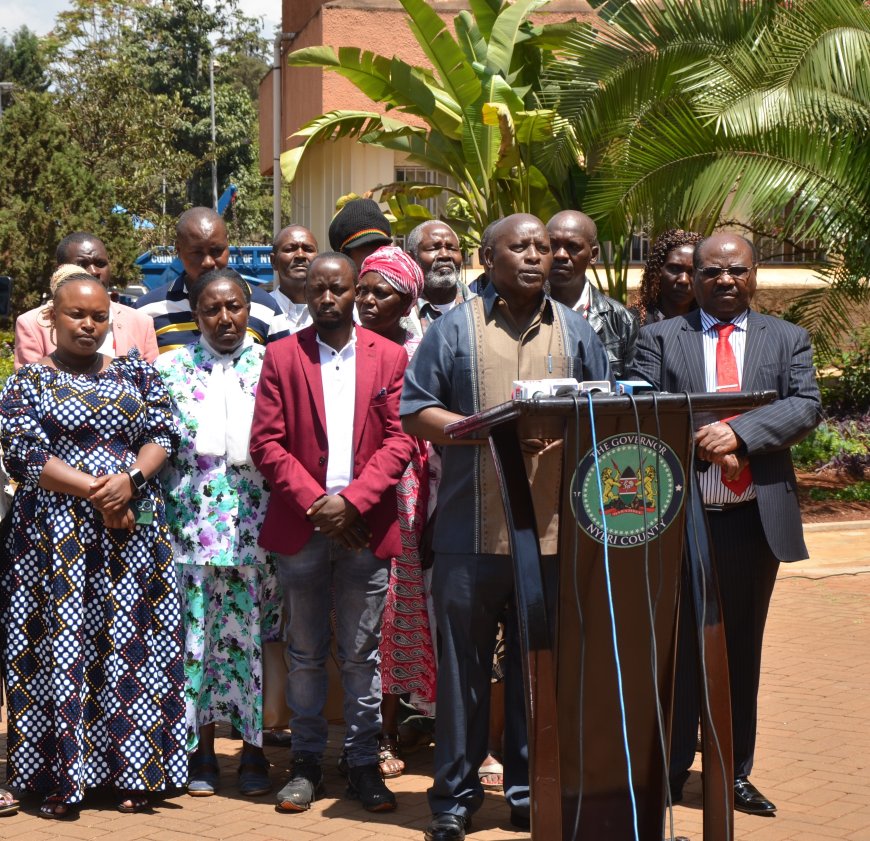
x: 389, y: 283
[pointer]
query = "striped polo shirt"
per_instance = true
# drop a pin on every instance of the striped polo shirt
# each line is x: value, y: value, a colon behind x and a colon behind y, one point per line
x: 713, y: 491
x: 169, y: 306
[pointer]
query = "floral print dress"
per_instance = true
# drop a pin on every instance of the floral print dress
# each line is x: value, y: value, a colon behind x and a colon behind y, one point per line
x: 229, y: 593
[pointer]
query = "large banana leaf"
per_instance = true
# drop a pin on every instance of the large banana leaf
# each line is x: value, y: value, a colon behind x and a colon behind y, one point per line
x: 470, y: 38
x: 485, y: 129
x: 391, y: 81
x: 505, y: 30
x: 485, y: 13
x: 540, y: 199
x: 455, y: 72
x: 337, y: 124
x: 481, y: 142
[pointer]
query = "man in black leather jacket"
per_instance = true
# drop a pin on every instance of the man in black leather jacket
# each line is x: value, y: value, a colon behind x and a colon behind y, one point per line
x: 574, y: 240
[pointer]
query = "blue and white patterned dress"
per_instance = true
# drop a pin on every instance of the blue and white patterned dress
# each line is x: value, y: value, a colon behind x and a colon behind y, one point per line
x: 92, y: 647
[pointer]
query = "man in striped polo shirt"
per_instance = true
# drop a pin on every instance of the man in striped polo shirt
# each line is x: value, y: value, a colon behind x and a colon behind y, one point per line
x: 201, y: 244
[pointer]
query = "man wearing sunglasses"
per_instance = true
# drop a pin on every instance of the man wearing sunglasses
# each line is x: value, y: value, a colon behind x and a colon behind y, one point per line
x: 745, y: 474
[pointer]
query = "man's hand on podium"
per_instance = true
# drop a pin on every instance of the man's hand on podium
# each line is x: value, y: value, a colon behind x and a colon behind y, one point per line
x: 715, y: 441
x: 539, y: 446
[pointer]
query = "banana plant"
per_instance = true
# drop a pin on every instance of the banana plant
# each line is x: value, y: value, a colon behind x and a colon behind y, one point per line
x: 484, y: 126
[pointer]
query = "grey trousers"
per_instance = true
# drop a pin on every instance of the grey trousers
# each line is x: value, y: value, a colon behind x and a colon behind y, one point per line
x: 469, y: 593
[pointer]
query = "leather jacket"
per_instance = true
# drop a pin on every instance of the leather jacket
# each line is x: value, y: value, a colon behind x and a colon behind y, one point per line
x: 616, y: 327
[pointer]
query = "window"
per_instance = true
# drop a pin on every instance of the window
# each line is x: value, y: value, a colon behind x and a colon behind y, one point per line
x: 418, y: 175
x: 789, y: 253
x: 638, y: 250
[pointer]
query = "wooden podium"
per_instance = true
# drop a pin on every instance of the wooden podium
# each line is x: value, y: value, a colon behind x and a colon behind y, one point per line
x: 599, y: 696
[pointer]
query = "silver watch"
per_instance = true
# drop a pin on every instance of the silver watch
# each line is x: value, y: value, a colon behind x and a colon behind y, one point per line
x: 137, y: 479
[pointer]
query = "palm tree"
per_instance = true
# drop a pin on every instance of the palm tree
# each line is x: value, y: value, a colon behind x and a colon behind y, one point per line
x: 749, y: 113
x: 484, y: 128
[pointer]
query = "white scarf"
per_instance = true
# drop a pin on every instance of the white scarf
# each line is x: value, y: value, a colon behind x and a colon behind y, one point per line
x: 224, y: 417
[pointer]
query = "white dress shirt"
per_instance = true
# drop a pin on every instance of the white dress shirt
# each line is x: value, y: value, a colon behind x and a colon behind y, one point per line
x: 296, y: 316
x: 583, y: 302
x: 338, y: 375
x: 712, y: 489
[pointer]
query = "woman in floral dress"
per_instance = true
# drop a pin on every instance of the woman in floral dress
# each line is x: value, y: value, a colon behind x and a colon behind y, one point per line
x: 216, y: 501
x: 91, y: 617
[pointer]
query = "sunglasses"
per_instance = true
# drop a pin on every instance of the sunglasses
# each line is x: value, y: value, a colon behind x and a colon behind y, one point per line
x: 712, y: 272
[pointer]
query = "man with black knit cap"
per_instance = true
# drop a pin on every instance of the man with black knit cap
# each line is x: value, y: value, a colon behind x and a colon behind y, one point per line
x: 359, y: 229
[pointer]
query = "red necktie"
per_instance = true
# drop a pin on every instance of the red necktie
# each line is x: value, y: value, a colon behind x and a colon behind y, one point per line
x: 727, y: 379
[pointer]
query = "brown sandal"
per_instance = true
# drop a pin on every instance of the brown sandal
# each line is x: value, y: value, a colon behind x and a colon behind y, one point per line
x: 55, y: 808
x: 388, y: 754
x: 133, y: 802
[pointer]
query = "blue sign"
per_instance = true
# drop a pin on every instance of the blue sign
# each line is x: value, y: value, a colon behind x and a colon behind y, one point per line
x: 160, y: 265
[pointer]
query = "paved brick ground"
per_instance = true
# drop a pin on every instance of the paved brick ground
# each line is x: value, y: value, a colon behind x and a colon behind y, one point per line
x: 813, y: 755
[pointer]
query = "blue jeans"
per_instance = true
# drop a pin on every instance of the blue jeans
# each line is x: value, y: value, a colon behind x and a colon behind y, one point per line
x: 358, y: 582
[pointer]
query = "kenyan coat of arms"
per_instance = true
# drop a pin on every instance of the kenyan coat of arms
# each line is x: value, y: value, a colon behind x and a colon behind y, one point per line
x: 639, y: 488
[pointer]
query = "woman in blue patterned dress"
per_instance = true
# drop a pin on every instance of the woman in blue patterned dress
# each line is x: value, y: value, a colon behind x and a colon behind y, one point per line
x: 216, y: 501
x: 91, y: 615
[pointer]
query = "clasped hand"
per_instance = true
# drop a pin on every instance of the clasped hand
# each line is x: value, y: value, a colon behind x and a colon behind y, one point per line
x: 338, y: 519
x: 111, y: 496
x: 718, y: 443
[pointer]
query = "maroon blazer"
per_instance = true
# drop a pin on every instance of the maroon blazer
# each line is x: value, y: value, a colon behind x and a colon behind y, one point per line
x: 289, y: 443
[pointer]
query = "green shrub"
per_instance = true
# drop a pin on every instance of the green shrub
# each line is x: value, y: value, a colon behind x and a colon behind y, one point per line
x: 843, y: 444
x: 848, y: 391
x: 859, y: 492
x: 6, y: 360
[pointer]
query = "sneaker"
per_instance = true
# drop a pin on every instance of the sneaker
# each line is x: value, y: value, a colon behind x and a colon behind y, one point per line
x: 364, y: 783
x: 304, y: 786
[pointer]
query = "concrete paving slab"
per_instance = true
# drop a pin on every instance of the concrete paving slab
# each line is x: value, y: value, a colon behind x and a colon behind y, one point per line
x: 813, y: 756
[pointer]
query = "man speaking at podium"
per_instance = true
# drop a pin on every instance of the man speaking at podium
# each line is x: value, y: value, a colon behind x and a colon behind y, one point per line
x: 746, y: 476
x: 466, y: 363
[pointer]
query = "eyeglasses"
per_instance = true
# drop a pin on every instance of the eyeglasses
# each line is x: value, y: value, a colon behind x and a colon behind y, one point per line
x: 712, y: 272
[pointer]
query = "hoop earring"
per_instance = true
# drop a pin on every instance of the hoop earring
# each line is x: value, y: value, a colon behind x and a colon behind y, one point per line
x: 51, y: 336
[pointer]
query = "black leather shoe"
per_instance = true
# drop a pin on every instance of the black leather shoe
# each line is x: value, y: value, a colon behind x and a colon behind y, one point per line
x: 676, y: 783
x: 446, y: 826
x: 748, y: 799
x: 277, y: 738
x: 520, y: 820
x: 365, y: 783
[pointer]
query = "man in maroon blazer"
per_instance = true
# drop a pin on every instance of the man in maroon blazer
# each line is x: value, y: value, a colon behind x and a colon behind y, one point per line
x: 327, y: 436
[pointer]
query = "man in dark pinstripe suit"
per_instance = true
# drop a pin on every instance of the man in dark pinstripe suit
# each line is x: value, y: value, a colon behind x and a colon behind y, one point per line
x: 746, y: 476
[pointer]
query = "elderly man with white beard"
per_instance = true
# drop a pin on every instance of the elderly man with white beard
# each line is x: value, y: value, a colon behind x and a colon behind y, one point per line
x: 434, y: 246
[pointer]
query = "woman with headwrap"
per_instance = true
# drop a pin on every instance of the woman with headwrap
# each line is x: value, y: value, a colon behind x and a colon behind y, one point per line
x: 216, y: 501
x: 666, y: 284
x: 389, y: 284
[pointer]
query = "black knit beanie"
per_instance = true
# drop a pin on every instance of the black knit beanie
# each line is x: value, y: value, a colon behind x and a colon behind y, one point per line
x: 359, y: 222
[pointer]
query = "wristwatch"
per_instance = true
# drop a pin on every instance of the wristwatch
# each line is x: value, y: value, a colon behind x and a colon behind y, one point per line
x: 137, y: 479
